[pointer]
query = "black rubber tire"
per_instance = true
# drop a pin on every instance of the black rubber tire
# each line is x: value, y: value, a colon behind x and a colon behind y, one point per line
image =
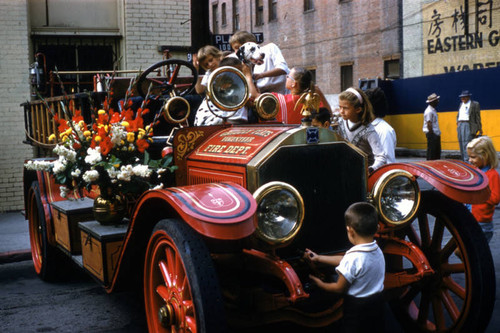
x: 167, y: 87
x: 443, y: 225
x: 182, y: 253
x: 49, y: 262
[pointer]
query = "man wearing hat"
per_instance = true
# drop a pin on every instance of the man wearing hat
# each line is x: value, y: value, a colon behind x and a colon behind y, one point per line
x: 431, y: 128
x: 468, y: 122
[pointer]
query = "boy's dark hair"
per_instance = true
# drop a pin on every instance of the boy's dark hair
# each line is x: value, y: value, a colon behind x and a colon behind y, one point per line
x: 379, y: 102
x: 322, y: 115
x: 241, y: 37
x: 230, y: 61
x: 303, y: 77
x: 363, y: 218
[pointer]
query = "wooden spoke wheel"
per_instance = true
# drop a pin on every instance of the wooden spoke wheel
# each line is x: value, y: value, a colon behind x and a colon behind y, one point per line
x: 181, y: 290
x: 168, y: 76
x: 459, y: 296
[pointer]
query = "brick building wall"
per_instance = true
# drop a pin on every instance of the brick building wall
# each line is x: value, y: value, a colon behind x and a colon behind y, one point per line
x: 332, y: 34
x: 14, y: 89
x: 150, y: 24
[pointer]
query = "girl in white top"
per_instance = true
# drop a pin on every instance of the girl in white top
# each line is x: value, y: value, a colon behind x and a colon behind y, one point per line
x: 355, y: 126
x: 208, y: 58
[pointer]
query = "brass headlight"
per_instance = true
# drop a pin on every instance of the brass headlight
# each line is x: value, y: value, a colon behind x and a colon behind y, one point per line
x: 396, y: 195
x: 227, y: 88
x: 266, y: 106
x: 280, y: 212
x: 176, y: 110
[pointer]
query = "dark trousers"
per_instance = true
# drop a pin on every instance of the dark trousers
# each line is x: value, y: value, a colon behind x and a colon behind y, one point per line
x: 433, y: 146
x: 363, y: 315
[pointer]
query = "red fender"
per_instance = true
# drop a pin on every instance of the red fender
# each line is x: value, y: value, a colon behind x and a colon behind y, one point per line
x: 216, y: 210
x: 455, y: 179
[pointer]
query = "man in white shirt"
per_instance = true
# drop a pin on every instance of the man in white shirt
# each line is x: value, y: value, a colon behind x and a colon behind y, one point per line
x: 431, y: 128
x: 468, y: 122
x: 386, y: 133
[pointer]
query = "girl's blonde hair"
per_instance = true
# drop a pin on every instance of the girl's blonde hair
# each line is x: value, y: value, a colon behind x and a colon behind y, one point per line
x: 208, y: 50
x: 483, y: 147
x: 366, y: 116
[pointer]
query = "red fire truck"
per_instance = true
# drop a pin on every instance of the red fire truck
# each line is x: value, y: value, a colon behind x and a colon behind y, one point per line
x: 220, y: 248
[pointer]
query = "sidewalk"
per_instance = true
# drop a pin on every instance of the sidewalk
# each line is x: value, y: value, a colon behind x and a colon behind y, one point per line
x: 14, y: 238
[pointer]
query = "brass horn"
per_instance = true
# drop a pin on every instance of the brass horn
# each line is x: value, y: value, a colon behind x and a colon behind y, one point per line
x: 176, y: 110
x: 266, y: 106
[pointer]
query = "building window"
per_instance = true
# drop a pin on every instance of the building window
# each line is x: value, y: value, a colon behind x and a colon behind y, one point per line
x: 391, y: 69
x: 215, y: 18
x: 345, y: 77
x: 259, y: 12
x: 273, y: 10
x: 308, y: 5
x: 223, y: 13
x: 236, y: 16
x: 77, y: 54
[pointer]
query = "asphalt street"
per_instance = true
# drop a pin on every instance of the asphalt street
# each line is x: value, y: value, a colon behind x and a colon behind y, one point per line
x: 14, y: 247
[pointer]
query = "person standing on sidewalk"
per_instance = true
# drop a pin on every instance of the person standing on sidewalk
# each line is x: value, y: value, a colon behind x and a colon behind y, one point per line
x: 468, y: 122
x: 431, y: 128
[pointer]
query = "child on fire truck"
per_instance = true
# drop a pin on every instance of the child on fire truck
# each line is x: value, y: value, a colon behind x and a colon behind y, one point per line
x: 361, y: 271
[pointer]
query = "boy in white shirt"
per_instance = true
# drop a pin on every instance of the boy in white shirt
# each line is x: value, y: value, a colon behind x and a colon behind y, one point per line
x: 361, y: 271
x: 270, y: 76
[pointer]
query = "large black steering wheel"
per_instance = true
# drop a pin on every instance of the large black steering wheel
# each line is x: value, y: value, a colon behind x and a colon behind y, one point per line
x: 168, y: 76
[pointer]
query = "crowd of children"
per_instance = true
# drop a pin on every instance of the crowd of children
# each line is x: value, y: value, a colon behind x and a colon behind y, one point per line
x: 361, y: 269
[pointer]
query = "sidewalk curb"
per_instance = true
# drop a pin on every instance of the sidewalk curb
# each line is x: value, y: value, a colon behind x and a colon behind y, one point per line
x: 15, y: 256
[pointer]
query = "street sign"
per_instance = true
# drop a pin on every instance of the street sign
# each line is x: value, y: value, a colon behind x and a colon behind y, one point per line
x: 222, y: 40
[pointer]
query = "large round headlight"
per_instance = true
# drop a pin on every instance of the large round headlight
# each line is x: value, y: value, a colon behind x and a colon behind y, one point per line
x: 396, y: 196
x: 227, y: 88
x: 280, y: 212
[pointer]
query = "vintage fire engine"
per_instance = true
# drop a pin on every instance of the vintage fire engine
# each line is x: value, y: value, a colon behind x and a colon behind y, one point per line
x: 221, y: 249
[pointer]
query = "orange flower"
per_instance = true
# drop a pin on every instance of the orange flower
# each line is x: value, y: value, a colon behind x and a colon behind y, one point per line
x: 77, y: 117
x: 142, y: 145
x: 115, y: 118
x: 106, y: 145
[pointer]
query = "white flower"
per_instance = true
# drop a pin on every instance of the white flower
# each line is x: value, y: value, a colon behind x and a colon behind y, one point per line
x: 63, y: 191
x: 158, y: 187
x: 93, y: 156
x: 90, y: 176
x: 60, y: 165
x: 142, y: 171
x: 118, y: 134
x: 69, y: 154
x: 76, y: 173
x: 126, y: 172
x: 38, y: 165
x: 112, y: 173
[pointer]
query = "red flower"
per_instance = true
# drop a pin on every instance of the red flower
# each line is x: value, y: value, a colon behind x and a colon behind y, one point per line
x: 77, y: 117
x: 142, y: 145
x: 115, y: 118
x: 105, y: 145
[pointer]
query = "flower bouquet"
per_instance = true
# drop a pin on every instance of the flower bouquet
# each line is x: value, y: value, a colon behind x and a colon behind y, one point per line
x: 109, y: 152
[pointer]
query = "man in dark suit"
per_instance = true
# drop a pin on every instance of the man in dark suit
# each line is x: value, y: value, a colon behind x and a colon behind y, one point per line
x: 468, y: 122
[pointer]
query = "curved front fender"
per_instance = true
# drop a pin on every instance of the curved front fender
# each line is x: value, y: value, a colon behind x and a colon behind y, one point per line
x: 216, y: 210
x: 455, y: 179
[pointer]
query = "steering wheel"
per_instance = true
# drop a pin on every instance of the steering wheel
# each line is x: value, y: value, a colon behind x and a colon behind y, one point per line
x: 168, y: 76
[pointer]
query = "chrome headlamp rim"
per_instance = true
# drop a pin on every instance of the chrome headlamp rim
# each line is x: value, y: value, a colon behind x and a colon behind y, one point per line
x: 378, y: 190
x: 261, y: 193
x: 166, y: 110
x: 212, y: 96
